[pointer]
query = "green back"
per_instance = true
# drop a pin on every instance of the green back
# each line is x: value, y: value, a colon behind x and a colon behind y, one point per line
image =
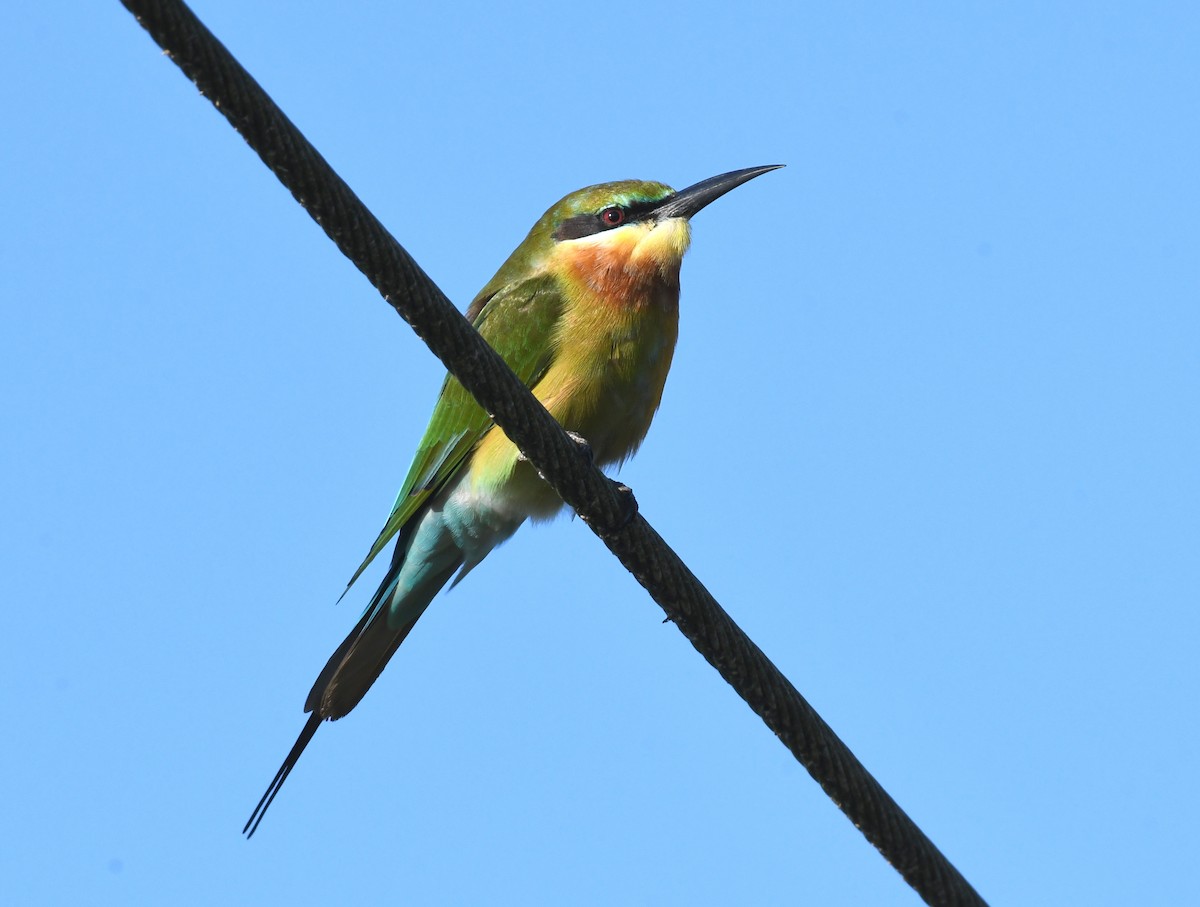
x: 517, y: 322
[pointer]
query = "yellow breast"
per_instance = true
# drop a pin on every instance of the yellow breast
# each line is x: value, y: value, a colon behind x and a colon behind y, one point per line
x: 612, y: 348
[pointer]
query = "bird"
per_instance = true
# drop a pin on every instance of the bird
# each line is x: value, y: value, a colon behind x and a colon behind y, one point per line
x: 586, y: 312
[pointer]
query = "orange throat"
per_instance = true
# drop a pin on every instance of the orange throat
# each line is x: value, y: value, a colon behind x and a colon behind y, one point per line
x: 629, y: 268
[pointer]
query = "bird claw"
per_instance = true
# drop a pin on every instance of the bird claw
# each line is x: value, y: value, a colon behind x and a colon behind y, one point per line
x: 629, y: 503
x: 582, y: 443
x: 626, y: 501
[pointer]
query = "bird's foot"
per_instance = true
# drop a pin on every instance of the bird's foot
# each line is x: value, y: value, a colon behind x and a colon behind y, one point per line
x: 629, y: 504
x: 628, y: 508
x: 582, y: 443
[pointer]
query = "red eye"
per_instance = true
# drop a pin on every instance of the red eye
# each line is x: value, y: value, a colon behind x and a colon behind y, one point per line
x: 612, y: 217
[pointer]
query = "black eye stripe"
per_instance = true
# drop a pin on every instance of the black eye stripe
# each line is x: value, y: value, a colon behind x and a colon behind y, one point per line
x: 579, y: 226
x: 586, y: 224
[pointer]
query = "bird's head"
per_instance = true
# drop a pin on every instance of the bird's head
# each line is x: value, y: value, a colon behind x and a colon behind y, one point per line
x: 613, y: 236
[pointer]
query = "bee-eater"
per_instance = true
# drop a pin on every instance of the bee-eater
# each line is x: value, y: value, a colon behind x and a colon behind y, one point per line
x: 586, y: 312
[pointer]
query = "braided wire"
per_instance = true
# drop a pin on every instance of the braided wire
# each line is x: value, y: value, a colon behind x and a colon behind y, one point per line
x: 608, y: 508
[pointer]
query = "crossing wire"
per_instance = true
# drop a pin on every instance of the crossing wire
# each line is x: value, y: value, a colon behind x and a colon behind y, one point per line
x: 608, y: 508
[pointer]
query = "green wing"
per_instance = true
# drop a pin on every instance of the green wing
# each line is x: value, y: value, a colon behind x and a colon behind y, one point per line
x: 518, y: 321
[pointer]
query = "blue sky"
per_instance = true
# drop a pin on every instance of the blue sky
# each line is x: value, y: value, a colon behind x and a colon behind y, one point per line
x: 931, y: 437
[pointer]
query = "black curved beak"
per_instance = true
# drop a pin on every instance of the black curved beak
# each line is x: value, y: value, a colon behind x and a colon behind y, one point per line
x: 690, y: 200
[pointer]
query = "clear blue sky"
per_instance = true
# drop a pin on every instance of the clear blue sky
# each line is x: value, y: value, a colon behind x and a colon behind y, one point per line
x: 931, y: 436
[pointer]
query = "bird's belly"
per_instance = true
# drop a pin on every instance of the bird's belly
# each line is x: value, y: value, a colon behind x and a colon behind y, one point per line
x: 619, y: 419
x: 606, y: 390
x: 610, y: 395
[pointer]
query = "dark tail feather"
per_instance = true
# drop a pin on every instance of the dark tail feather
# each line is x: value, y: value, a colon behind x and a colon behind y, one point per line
x: 349, y: 673
x: 362, y: 656
x: 354, y: 667
x: 347, y: 676
x: 310, y: 728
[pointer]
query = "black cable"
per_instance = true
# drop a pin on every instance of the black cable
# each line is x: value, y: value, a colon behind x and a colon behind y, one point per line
x: 607, y: 508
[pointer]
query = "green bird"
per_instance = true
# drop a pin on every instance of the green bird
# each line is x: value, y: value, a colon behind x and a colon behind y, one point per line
x: 586, y: 312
